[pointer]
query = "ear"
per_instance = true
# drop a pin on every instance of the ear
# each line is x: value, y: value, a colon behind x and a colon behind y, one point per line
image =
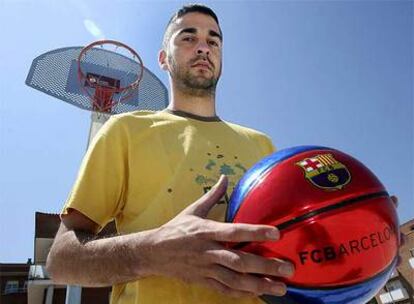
x: 162, y: 60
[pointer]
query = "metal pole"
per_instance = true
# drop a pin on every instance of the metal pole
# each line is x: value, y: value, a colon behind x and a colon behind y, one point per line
x: 49, y: 294
x: 74, y: 293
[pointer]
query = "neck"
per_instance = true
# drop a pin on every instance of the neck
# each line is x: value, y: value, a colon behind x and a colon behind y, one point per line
x: 195, y: 103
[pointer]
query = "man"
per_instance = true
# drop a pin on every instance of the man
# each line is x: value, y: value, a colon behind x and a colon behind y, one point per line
x: 153, y: 173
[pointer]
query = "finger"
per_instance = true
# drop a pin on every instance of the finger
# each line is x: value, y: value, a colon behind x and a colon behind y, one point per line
x: 227, y: 290
x: 244, y: 262
x: 247, y: 282
x: 204, y: 204
x: 237, y: 232
x: 394, y: 200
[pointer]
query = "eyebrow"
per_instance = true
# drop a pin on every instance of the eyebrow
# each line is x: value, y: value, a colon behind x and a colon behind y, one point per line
x: 193, y: 30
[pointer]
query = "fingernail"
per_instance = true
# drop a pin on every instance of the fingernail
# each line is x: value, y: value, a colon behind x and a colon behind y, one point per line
x: 273, y: 234
x: 278, y: 289
x: 286, y: 269
x: 220, y: 179
x: 218, y: 182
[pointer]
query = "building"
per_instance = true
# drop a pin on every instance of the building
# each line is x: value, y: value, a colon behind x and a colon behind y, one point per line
x: 13, y: 283
x: 40, y: 288
x: 400, y: 287
x: 30, y: 283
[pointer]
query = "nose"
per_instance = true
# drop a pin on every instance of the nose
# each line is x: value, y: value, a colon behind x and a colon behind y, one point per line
x: 202, y: 48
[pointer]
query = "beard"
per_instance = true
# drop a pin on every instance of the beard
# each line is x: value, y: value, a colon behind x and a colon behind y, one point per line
x: 190, y: 83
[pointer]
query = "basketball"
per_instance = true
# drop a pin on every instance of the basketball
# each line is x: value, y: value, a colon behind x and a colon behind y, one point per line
x: 338, y: 224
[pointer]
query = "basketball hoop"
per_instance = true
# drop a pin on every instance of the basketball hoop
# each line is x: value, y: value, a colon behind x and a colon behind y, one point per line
x: 105, y: 91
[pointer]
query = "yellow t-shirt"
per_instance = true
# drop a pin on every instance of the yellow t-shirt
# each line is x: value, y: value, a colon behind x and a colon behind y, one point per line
x: 143, y: 168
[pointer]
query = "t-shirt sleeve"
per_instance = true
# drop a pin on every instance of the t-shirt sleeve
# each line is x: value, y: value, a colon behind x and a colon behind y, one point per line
x: 100, y: 186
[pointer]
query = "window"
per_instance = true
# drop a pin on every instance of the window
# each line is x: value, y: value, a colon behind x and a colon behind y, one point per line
x: 11, y: 287
x: 395, y: 292
x: 393, y: 285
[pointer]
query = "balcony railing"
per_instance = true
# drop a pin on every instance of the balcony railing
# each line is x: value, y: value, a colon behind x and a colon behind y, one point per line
x: 14, y: 290
x: 393, y: 296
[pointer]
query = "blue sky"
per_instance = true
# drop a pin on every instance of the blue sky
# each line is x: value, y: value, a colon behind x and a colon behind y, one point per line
x: 334, y: 73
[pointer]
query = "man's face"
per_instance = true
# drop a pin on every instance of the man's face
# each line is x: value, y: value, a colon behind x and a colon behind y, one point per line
x: 193, y: 54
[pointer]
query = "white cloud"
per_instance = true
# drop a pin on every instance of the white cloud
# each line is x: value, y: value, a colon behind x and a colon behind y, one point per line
x: 92, y: 28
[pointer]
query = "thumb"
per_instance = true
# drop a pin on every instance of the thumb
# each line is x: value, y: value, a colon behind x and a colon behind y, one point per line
x: 204, y: 204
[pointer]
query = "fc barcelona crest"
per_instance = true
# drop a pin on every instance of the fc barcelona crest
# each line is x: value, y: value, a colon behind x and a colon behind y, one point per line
x: 325, y: 172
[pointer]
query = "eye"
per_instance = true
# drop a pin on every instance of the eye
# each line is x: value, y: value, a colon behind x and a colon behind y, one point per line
x: 188, y: 38
x: 213, y: 43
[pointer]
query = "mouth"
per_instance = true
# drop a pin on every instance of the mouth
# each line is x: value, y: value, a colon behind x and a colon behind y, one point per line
x: 203, y: 65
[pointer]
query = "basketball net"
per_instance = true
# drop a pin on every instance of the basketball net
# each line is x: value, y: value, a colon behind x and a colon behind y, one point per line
x: 106, y: 92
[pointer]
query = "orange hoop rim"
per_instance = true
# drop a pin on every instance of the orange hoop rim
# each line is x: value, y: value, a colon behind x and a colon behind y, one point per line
x: 82, y: 77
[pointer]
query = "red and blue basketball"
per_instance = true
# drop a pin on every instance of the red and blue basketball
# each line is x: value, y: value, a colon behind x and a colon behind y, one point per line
x: 338, y: 224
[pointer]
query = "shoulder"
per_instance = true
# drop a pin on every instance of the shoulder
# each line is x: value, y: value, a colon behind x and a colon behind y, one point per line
x: 133, y: 117
x: 135, y: 125
x: 246, y: 130
x: 261, y: 138
x: 141, y: 117
x: 131, y: 121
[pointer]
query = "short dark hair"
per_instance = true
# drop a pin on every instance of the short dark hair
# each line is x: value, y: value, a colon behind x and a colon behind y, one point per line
x: 186, y: 9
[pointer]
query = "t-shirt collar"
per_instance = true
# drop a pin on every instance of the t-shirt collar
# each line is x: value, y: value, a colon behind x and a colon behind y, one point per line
x: 192, y: 116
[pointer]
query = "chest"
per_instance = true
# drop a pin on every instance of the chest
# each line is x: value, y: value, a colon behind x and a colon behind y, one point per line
x: 171, y: 168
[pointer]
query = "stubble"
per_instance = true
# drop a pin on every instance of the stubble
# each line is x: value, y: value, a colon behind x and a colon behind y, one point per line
x: 189, y: 83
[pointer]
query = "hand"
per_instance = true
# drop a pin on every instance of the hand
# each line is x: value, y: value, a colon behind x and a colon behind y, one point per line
x: 189, y: 248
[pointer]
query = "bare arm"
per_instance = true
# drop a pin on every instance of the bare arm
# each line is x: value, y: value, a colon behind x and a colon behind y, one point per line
x: 189, y: 247
x: 78, y: 257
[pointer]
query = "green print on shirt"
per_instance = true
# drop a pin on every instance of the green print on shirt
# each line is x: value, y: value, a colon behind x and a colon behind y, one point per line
x: 236, y: 171
x: 226, y: 170
x: 210, y: 165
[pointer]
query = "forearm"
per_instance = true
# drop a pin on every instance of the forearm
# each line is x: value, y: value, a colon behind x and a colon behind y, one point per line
x: 76, y: 258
